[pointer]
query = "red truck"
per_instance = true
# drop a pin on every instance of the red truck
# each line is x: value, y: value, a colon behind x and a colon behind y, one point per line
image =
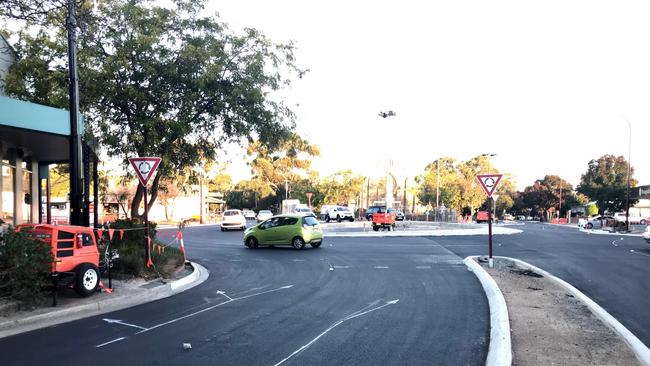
x: 75, y: 254
x: 383, y: 220
x: 482, y: 216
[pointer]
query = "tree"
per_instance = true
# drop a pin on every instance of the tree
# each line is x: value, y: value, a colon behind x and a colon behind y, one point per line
x: 163, y: 81
x: 605, y: 182
x: 168, y: 193
x: 342, y: 187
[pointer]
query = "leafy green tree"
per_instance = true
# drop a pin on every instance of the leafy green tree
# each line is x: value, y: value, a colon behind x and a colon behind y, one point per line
x: 605, y: 182
x: 161, y: 81
x: 592, y: 210
x: 342, y: 187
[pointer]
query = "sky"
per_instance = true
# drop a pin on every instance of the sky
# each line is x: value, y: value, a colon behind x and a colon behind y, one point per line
x: 547, y: 86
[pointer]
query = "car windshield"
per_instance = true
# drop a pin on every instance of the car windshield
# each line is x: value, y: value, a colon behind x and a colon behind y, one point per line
x: 310, y: 220
x: 231, y: 213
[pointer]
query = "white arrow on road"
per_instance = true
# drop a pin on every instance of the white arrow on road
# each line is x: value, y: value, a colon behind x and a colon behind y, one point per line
x: 356, y: 314
x: 116, y: 321
x: 224, y: 294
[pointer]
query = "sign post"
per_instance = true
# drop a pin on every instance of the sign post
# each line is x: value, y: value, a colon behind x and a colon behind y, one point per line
x: 144, y: 169
x: 489, y: 183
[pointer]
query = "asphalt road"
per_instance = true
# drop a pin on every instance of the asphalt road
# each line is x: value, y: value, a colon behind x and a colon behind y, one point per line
x: 354, y: 301
x: 614, y: 271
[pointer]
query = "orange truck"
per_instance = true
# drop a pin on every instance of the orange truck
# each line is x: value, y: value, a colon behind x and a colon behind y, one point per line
x: 383, y: 220
x: 75, y: 254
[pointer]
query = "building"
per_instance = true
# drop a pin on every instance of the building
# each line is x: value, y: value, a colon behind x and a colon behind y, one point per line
x: 7, y: 58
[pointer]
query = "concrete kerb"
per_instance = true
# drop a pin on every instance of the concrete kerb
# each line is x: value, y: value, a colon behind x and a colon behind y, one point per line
x: 640, y: 350
x: 63, y: 315
x: 500, y: 348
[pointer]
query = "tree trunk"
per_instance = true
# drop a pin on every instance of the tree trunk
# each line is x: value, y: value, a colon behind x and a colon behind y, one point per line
x: 139, y: 195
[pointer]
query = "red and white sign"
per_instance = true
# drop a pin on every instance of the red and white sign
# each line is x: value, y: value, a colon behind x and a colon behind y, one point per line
x: 489, y: 182
x: 144, y: 168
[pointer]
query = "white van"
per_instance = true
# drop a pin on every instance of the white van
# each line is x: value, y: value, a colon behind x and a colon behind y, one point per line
x: 634, y: 218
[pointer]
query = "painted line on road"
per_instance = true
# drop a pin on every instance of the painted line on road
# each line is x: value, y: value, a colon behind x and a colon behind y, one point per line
x: 341, y: 267
x: 381, y: 267
x: 356, y: 314
x: 109, y: 342
x: 212, y: 307
x: 298, y: 260
x: 116, y: 321
x: 423, y: 267
x: 219, y: 292
x: 633, y: 251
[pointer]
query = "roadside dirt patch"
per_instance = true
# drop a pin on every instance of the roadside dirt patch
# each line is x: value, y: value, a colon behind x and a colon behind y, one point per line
x: 550, y: 327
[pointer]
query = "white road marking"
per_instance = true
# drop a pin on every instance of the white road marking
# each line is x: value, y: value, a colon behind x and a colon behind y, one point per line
x: 356, y: 314
x: 341, y: 267
x: 116, y: 321
x: 109, y: 342
x: 632, y: 250
x: 423, y: 267
x: 614, y: 243
x: 212, y: 307
x: 235, y: 260
x: 219, y: 292
x: 298, y: 260
x: 381, y: 267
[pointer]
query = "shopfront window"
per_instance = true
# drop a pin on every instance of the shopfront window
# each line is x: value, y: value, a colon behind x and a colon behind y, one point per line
x: 27, y: 197
x: 7, y: 189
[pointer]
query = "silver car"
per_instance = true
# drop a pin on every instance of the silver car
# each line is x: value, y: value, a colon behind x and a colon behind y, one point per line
x: 599, y: 221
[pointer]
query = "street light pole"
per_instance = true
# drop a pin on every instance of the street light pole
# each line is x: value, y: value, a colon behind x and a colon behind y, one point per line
x: 437, y: 184
x: 629, y: 168
x: 75, y: 143
x: 389, y: 193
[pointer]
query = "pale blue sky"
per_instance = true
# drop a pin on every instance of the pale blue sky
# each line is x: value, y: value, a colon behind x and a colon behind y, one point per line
x: 542, y: 84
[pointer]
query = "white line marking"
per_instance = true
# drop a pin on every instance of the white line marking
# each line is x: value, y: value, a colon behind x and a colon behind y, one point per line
x: 235, y: 260
x: 381, y: 267
x: 298, y: 260
x: 212, y: 307
x: 632, y: 250
x: 116, y: 321
x: 423, y: 267
x: 614, y: 243
x: 109, y: 342
x: 349, y: 317
x: 342, y: 267
x: 219, y: 292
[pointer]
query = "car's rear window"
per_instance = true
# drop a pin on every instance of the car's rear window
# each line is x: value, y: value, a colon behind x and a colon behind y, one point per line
x: 231, y: 213
x: 310, y: 220
x: 265, y: 212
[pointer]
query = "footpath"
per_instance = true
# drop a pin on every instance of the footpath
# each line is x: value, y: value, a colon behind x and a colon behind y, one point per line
x: 123, y: 295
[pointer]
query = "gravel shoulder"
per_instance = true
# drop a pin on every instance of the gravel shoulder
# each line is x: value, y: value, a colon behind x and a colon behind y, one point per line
x: 550, y: 327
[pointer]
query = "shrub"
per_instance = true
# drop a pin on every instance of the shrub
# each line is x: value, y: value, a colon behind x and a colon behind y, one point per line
x: 25, y: 265
x: 131, y: 249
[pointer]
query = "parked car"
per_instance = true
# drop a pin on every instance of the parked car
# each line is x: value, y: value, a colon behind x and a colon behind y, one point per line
x: 599, y: 221
x: 292, y: 229
x: 264, y: 215
x: 338, y: 213
x: 399, y: 215
x: 508, y: 217
x: 371, y: 210
x: 249, y: 214
x: 633, y: 218
x: 305, y: 211
x: 646, y: 234
x: 521, y: 218
x: 233, y: 219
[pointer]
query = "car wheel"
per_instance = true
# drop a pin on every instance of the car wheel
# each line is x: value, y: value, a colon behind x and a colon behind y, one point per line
x: 351, y: 219
x: 298, y: 243
x: 338, y: 218
x: 223, y: 229
x: 327, y: 218
x: 589, y: 226
x: 643, y: 222
x: 316, y: 245
x: 375, y: 227
x: 251, y: 242
x: 87, y: 279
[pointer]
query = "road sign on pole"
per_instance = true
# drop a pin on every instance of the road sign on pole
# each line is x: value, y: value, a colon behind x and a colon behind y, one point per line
x: 489, y: 183
x: 144, y: 168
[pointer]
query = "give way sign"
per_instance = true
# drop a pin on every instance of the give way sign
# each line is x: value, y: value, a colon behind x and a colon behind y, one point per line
x: 144, y: 168
x: 489, y: 182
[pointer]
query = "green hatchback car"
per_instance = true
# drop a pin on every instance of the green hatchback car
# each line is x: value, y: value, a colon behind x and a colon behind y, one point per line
x: 294, y: 230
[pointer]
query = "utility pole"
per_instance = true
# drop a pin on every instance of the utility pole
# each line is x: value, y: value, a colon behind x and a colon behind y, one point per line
x: 75, y: 143
x: 368, y: 194
x: 629, y: 168
x: 559, y: 213
x: 437, y: 184
x: 404, y: 205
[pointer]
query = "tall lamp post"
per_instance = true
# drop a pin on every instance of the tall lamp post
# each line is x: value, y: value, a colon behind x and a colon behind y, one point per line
x: 75, y: 143
x: 389, y: 193
x: 629, y: 168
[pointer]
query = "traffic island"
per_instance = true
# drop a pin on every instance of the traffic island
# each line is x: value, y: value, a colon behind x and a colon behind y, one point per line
x: 551, y: 322
x: 126, y: 293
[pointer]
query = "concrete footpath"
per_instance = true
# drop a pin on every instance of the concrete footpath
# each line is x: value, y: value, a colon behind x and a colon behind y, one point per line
x: 125, y: 294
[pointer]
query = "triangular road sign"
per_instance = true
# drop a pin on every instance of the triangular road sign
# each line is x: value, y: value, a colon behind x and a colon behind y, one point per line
x: 489, y: 182
x: 144, y: 168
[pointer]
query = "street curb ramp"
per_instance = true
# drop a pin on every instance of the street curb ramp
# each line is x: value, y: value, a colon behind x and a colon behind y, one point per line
x: 641, y: 351
x: 64, y: 315
x: 500, y: 348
